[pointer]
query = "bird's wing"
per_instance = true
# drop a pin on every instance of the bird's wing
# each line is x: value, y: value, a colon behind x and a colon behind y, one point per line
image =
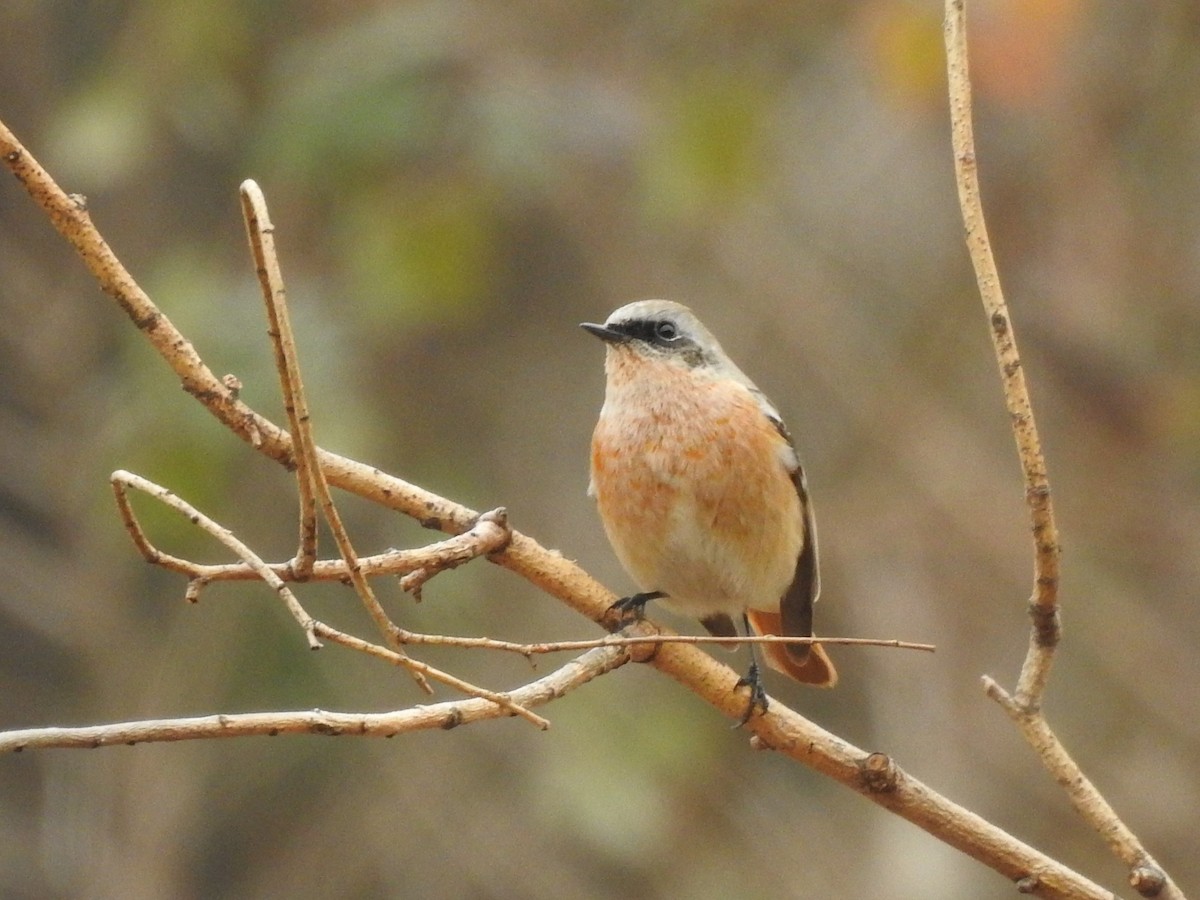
x: 796, y: 605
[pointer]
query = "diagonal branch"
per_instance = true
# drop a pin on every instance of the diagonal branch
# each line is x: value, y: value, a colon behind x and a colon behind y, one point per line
x: 873, y: 775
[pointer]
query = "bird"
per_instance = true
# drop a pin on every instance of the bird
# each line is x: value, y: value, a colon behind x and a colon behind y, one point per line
x: 701, y: 492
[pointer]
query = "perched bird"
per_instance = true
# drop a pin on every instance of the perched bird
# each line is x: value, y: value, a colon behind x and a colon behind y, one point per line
x: 700, y: 490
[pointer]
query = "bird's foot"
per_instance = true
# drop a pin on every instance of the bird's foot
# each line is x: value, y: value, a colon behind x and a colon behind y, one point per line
x: 633, y: 609
x: 758, y: 696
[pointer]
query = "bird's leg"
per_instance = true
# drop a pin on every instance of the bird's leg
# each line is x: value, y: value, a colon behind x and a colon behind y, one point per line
x: 752, y: 680
x: 633, y: 609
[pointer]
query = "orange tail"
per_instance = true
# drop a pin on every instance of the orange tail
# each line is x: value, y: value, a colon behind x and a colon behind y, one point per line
x: 817, y: 669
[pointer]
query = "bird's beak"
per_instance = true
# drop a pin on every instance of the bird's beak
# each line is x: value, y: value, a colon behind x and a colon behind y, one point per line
x: 606, y: 334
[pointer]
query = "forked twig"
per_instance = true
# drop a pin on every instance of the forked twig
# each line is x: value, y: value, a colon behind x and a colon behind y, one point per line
x: 489, y: 534
x: 1024, y: 705
x: 870, y: 774
x: 313, y: 629
x: 121, y: 480
x: 308, y: 467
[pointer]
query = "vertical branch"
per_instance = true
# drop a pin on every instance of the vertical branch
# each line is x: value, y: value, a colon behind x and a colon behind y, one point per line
x: 311, y: 477
x: 1024, y: 706
x: 1043, y: 604
x: 266, y: 264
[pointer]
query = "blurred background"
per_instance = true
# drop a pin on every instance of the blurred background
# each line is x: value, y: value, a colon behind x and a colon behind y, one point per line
x: 456, y: 186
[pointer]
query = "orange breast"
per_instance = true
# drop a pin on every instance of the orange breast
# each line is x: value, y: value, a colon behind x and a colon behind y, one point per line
x: 691, y: 483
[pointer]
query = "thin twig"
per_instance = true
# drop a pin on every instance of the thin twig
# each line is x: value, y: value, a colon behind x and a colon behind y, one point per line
x: 420, y: 671
x: 308, y: 468
x: 616, y: 640
x: 121, y: 480
x: 266, y: 265
x: 1024, y: 705
x: 488, y: 535
x: 548, y: 570
x: 1043, y: 603
x: 504, y: 701
x: 450, y: 714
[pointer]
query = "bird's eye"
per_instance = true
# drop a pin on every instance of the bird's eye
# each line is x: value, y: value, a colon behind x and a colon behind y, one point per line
x: 666, y: 331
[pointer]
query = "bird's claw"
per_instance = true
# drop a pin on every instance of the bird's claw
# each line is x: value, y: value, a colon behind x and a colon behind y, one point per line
x: 758, y: 696
x: 633, y: 609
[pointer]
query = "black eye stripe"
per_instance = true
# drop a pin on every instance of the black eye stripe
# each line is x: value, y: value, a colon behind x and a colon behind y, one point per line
x: 653, y: 331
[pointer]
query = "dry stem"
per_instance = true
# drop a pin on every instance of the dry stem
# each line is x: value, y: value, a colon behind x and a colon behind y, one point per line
x: 1044, y: 601
x: 261, y: 233
x: 308, y: 468
x: 312, y: 628
x: 575, y: 673
x: 782, y: 729
x: 1024, y: 705
x: 122, y: 480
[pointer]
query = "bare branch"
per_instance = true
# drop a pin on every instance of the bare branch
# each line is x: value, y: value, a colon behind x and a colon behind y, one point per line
x: 489, y: 534
x: 308, y: 467
x: 1024, y: 705
x: 877, y: 778
x: 503, y: 701
x: 1145, y: 874
x: 1044, y: 601
x: 266, y: 265
x: 446, y: 715
x: 122, y: 480
x: 312, y: 628
x: 671, y: 638
x: 873, y: 775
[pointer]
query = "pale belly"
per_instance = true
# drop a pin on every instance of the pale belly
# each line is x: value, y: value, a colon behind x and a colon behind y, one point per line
x: 713, y: 521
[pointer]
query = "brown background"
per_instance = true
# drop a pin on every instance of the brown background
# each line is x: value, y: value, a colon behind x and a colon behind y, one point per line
x: 456, y: 186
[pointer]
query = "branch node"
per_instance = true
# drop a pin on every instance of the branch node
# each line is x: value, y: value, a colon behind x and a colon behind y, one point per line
x: 1147, y: 880
x: 758, y: 742
x: 642, y: 651
x: 194, y: 586
x: 1047, y: 625
x: 499, y: 518
x: 414, y: 581
x: 311, y: 626
x: 880, y: 774
x: 1029, y: 884
x: 489, y: 535
x: 994, y: 691
x: 293, y: 572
